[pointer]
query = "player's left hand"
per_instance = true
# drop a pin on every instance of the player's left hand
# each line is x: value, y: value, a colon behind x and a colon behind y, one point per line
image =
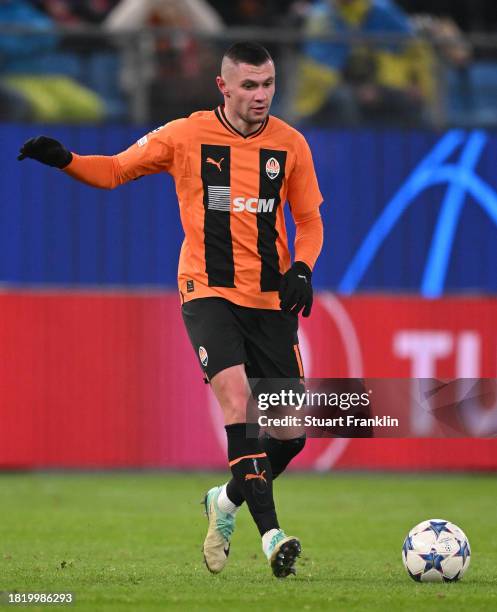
x: 296, y: 289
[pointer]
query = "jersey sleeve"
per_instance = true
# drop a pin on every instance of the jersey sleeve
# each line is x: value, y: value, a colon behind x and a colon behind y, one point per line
x: 152, y: 154
x: 303, y: 192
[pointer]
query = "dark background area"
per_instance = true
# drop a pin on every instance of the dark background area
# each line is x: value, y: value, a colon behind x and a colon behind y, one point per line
x: 470, y: 15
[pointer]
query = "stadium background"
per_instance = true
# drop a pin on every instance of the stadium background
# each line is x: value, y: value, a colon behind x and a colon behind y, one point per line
x: 96, y: 370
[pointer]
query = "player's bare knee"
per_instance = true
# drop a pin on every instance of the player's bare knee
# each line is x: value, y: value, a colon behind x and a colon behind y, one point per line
x: 234, y: 413
x: 232, y: 392
x: 234, y: 406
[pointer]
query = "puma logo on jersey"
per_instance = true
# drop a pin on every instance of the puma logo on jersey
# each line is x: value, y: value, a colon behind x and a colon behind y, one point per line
x: 209, y: 160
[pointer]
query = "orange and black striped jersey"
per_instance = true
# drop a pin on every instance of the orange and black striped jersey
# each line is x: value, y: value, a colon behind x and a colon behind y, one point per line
x: 231, y: 191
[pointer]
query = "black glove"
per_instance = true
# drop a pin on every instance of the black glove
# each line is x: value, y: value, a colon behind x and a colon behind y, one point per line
x: 296, y: 289
x: 47, y: 151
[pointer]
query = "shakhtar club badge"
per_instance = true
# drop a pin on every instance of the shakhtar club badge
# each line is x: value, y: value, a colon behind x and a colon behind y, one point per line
x: 272, y: 168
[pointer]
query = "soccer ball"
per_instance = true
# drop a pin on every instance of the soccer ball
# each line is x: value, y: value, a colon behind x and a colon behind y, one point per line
x: 436, y: 551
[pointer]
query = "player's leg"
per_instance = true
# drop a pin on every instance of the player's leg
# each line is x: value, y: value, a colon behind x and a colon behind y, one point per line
x: 280, y: 453
x: 215, y: 336
x: 251, y: 468
x: 207, y: 321
x: 273, y: 354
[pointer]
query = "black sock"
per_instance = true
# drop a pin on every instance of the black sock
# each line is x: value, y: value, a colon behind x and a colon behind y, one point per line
x: 279, y: 452
x: 252, y: 473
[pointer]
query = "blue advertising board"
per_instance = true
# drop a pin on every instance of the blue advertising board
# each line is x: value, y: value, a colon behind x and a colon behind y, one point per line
x: 403, y: 211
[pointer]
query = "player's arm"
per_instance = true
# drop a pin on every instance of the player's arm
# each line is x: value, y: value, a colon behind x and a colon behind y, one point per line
x: 305, y: 198
x: 151, y: 154
x: 308, y: 237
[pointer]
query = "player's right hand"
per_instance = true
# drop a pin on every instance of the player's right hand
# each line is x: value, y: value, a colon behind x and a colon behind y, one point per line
x: 47, y: 151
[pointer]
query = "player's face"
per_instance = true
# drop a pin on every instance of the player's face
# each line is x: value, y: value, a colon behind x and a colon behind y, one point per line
x: 249, y: 91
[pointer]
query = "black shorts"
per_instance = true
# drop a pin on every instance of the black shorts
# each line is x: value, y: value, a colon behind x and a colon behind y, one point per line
x: 224, y: 334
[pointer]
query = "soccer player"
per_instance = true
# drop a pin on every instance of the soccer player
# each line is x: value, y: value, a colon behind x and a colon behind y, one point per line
x: 234, y: 169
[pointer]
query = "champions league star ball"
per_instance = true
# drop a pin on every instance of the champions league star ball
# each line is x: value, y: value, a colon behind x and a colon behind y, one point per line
x: 436, y: 551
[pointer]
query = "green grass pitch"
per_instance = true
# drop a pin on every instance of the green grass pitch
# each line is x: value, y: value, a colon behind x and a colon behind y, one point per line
x: 123, y: 541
